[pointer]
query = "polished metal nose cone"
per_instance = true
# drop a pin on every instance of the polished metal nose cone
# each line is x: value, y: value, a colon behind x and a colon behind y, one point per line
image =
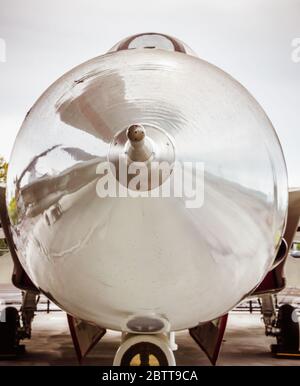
x: 216, y: 235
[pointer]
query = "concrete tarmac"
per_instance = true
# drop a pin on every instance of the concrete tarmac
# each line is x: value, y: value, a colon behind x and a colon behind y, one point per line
x: 244, y: 344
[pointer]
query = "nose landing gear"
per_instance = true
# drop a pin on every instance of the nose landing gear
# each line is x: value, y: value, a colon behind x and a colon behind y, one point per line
x: 145, y: 350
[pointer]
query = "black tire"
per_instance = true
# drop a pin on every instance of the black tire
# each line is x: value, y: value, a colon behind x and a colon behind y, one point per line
x: 9, y: 329
x: 288, y: 338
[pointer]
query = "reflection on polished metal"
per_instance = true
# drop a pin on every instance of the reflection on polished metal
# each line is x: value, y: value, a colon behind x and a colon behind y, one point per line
x: 152, y: 40
x: 111, y: 260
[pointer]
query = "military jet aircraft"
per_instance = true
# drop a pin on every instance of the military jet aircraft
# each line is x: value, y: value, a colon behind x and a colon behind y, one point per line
x: 147, y: 193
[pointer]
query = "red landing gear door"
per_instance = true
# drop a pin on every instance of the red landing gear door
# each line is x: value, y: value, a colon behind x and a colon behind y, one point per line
x: 84, y: 335
x: 209, y: 337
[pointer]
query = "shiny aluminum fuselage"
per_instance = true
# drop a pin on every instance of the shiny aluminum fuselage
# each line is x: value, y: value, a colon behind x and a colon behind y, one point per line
x: 106, y: 260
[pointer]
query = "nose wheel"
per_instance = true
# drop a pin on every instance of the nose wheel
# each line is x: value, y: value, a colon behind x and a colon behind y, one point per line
x: 145, y: 350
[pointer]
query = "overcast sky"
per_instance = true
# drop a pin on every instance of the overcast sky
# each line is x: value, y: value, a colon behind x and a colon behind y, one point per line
x: 250, y: 39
